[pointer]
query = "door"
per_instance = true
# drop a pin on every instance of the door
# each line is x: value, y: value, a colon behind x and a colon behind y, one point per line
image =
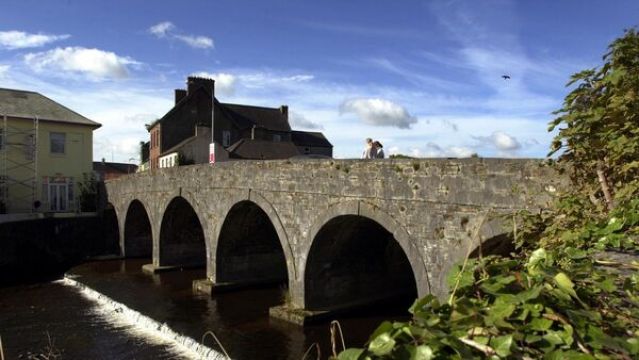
x: 58, y: 197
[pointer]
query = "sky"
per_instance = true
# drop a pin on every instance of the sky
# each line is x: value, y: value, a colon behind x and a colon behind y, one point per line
x: 422, y: 77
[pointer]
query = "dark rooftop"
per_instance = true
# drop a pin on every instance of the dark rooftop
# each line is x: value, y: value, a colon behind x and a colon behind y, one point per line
x: 247, y: 115
x: 309, y: 138
x: 123, y: 168
x: 262, y: 149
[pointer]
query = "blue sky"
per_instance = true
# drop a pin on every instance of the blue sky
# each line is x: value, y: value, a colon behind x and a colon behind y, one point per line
x: 423, y: 77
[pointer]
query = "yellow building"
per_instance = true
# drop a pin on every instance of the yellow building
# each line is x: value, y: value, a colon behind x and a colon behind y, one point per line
x: 46, y: 150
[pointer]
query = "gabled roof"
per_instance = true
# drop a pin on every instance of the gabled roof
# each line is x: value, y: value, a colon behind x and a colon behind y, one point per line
x: 309, y: 138
x: 246, y: 116
x: 262, y: 149
x: 27, y: 104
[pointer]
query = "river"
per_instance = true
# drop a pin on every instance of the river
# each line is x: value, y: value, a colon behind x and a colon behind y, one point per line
x: 58, y: 318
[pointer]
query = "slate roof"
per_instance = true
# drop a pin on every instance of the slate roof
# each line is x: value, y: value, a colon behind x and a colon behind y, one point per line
x: 27, y: 104
x: 246, y: 115
x: 262, y: 150
x: 310, y: 138
x: 110, y: 167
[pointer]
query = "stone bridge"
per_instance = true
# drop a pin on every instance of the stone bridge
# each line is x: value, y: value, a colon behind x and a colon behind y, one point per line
x: 340, y: 233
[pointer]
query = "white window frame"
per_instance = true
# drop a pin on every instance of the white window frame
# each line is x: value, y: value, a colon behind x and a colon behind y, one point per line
x: 56, y: 202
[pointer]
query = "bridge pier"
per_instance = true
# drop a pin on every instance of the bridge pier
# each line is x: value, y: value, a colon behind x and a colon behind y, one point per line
x: 208, y: 287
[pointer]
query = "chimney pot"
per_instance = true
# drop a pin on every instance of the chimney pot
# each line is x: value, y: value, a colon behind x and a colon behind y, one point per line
x: 193, y: 83
x: 284, y: 111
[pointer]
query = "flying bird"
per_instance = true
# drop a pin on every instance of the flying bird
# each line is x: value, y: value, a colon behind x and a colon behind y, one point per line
x: 506, y: 77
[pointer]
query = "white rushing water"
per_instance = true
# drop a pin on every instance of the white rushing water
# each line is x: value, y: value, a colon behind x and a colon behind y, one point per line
x: 138, y: 324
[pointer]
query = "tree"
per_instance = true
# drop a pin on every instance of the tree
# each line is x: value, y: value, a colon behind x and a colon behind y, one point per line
x: 599, y: 125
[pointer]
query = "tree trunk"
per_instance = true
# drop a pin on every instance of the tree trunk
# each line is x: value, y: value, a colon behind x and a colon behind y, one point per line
x: 604, y: 186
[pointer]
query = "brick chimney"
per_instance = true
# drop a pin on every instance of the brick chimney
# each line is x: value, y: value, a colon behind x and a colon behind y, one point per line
x: 284, y: 111
x: 179, y: 95
x: 193, y: 83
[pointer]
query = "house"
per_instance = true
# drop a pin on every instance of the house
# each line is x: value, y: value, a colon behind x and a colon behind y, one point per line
x: 183, y: 135
x: 111, y: 170
x: 46, y: 151
x: 312, y: 143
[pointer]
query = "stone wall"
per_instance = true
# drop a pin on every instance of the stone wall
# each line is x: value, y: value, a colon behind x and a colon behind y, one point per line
x: 432, y: 207
x: 44, y: 248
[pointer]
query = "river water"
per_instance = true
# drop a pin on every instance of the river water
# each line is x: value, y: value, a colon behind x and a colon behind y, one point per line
x: 56, y: 318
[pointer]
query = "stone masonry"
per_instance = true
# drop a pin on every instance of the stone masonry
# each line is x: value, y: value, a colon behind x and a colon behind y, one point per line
x: 437, y: 210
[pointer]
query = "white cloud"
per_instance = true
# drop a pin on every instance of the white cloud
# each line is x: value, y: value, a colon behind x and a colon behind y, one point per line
x: 299, y: 121
x: 268, y: 79
x: 161, y: 29
x: 224, y: 83
x: 19, y: 39
x: 95, y: 64
x: 198, y: 42
x: 505, y: 144
x: 504, y: 141
x: 500, y: 140
x: 434, y: 150
x: 298, y: 78
x: 4, y: 69
x: 379, y: 112
x: 167, y: 29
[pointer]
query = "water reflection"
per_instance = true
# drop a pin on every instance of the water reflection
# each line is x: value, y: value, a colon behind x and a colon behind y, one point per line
x: 239, y: 319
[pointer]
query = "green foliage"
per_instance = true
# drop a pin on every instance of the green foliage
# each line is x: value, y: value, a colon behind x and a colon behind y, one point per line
x: 598, y: 123
x: 508, y: 308
x: 182, y: 160
x: 559, y: 296
x: 400, y: 156
x: 88, y: 192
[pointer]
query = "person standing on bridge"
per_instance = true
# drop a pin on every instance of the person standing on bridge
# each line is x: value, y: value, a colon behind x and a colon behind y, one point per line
x: 369, y: 151
x: 378, y: 149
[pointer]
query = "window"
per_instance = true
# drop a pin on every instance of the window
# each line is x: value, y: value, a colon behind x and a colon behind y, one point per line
x: 226, y: 138
x: 277, y: 137
x: 59, y: 193
x: 56, y: 141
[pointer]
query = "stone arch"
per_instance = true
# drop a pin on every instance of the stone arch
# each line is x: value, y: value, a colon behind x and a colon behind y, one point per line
x: 110, y: 234
x: 274, y: 219
x: 138, y: 232
x: 374, y: 219
x: 182, y: 239
x: 493, y: 238
x: 249, y: 250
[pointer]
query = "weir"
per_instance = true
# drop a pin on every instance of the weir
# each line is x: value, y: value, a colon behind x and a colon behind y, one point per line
x: 338, y: 233
x: 119, y: 313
